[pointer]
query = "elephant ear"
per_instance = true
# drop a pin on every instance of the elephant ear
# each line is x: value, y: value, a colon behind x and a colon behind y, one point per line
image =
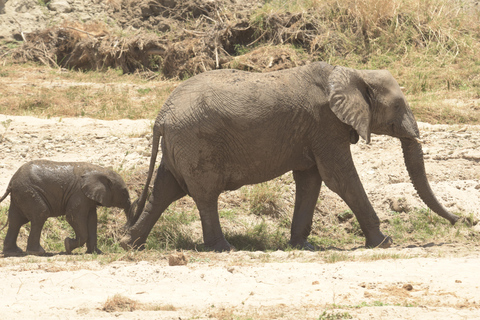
x: 350, y: 100
x: 97, y: 187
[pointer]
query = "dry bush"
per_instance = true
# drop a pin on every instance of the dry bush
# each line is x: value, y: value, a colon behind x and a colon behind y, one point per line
x: 269, y: 58
x: 88, y: 47
x: 183, y: 38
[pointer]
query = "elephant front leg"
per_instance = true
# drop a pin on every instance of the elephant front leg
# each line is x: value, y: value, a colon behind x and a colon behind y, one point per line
x: 339, y: 173
x: 79, y: 225
x: 307, y: 185
x: 165, y: 191
x: 92, y: 233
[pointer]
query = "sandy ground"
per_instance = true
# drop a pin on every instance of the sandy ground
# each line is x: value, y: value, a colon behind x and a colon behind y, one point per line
x: 438, y: 281
x: 291, y: 285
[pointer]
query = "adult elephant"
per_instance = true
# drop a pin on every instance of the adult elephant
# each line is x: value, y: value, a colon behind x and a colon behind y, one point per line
x: 227, y: 128
x: 41, y: 189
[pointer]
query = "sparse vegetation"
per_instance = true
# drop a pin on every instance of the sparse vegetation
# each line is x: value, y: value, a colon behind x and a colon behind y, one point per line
x: 429, y: 46
x: 179, y: 228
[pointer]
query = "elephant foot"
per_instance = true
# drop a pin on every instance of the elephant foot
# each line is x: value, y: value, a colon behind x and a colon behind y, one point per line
x: 68, y: 247
x: 13, y: 252
x: 380, y: 241
x: 126, y: 243
x: 220, y: 246
x: 303, y: 245
x: 38, y: 252
x: 96, y: 250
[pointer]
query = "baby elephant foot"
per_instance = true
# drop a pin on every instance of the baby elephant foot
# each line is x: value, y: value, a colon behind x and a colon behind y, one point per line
x: 68, y: 245
x: 127, y: 243
x: 13, y: 252
x: 304, y: 245
x: 96, y: 250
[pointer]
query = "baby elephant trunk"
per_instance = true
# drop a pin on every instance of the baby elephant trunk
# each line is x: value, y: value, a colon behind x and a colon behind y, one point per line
x: 413, y: 155
x: 132, y: 215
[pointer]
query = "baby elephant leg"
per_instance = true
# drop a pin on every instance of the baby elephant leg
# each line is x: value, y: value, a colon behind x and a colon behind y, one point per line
x: 79, y: 225
x: 92, y: 233
x: 33, y: 244
x: 16, y: 220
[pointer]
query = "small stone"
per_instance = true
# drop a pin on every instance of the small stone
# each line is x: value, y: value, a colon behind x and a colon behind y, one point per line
x: 177, y: 259
x: 61, y: 6
x: 408, y: 287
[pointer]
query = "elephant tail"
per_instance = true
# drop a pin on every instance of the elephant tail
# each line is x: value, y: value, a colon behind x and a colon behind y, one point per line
x: 9, y: 189
x: 139, y: 204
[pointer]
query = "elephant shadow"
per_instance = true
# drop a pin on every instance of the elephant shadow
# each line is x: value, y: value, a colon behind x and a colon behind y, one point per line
x: 46, y: 254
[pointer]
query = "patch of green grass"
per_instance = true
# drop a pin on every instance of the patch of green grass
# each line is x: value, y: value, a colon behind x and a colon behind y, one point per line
x: 333, y: 315
x: 423, y: 225
x: 171, y: 232
x: 229, y: 214
x: 54, y: 232
x: 337, y: 256
x: 101, y: 95
x: 261, y: 236
x: 265, y: 198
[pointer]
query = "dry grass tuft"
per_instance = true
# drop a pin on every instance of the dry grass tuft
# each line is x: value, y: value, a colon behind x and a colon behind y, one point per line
x: 119, y: 303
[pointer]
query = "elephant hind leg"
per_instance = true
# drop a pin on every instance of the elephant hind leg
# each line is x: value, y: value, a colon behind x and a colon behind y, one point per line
x: 307, y: 189
x: 166, y: 190
x: 16, y: 220
x: 213, y: 237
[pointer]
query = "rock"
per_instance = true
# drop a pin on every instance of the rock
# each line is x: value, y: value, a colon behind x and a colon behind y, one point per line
x: 61, y: 6
x: 177, y: 259
x: 399, y: 205
x: 408, y: 287
x: 476, y: 228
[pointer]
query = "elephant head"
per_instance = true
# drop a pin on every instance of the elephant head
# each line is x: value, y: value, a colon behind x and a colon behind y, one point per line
x: 371, y: 101
x: 106, y: 188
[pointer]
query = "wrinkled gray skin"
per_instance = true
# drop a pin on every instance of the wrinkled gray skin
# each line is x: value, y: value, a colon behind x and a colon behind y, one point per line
x: 42, y: 189
x: 224, y: 129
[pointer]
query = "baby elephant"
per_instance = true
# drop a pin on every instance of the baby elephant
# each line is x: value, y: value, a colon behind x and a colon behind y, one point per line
x: 42, y: 189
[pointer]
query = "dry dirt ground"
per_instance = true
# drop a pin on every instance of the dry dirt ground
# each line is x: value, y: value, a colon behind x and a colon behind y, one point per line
x: 437, y: 281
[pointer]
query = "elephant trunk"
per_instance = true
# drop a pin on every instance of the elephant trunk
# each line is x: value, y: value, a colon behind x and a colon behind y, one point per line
x: 131, y: 214
x: 413, y: 155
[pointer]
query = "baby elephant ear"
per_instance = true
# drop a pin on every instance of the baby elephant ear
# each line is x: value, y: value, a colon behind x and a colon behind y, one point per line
x: 97, y: 187
x: 350, y: 99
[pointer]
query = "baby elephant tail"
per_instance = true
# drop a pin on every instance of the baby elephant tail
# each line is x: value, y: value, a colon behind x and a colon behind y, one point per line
x: 3, y: 198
